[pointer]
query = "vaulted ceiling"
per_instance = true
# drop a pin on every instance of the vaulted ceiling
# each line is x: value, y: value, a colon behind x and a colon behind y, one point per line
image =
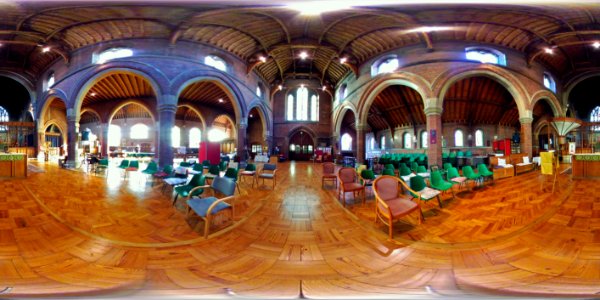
x: 118, y: 86
x: 249, y: 29
x: 208, y: 94
x: 395, y: 106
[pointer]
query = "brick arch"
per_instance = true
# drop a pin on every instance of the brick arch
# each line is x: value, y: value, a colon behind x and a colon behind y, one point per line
x: 92, y: 111
x: 414, y: 81
x: 125, y: 103
x: 155, y: 78
x: 197, y: 112
x: 339, y: 115
x: 221, y: 80
x: 550, y: 98
x: 264, y: 116
x: 51, y: 95
x: 299, y: 128
x: 445, y: 80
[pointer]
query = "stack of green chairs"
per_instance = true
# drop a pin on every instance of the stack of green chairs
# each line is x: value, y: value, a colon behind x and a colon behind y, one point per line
x: 438, y: 183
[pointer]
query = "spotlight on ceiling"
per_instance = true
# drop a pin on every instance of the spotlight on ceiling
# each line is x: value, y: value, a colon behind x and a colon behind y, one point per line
x: 324, y: 88
x: 221, y: 100
x: 262, y: 58
x: 343, y: 60
x: 280, y: 87
x: 46, y: 49
x: 93, y: 94
x: 596, y: 45
x: 251, y: 116
x: 548, y: 50
x: 315, y: 8
x: 303, y: 55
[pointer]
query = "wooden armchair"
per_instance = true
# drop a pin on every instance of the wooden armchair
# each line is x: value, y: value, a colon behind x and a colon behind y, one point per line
x: 348, y: 181
x: 521, y: 162
x: 391, y: 203
x: 209, y: 207
x: 268, y: 171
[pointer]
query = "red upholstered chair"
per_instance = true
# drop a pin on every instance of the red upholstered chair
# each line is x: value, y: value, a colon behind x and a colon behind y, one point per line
x: 328, y: 173
x: 348, y: 181
x: 391, y: 204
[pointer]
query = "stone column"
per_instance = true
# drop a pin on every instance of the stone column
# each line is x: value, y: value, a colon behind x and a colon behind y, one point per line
x: 241, y: 141
x: 73, y: 158
x: 104, y: 139
x: 40, y: 141
x: 434, y: 127
x: 166, y: 117
x: 526, y: 136
x: 360, y: 143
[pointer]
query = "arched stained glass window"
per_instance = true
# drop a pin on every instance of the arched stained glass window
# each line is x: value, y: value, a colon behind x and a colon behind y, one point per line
x: 290, y: 108
x: 346, y: 142
x: 175, y: 136
x: 3, y: 118
x: 138, y: 131
x: 488, y: 56
x: 549, y: 82
x: 112, y: 53
x: 314, y: 108
x: 388, y: 65
x: 372, y: 143
x: 478, y: 138
x: 595, y: 117
x: 459, y: 138
x: 50, y: 81
x: 302, y: 104
x: 194, y: 137
x: 407, y: 139
x: 424, y: 139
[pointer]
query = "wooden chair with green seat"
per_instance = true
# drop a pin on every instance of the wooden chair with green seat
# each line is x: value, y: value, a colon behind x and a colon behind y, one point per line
x: 232, y: 173
x: 419, y: 190
x: 213, y: 171
x: 437, y: 182
x: 185, y: 190
x: 367, y: 176
x: 470, y: 174
x: 391, y: 204
x: 455, y: 178
x: 249, y: 170
x: 208, y: 207
x: 151, y: 169
x: 485, y: 173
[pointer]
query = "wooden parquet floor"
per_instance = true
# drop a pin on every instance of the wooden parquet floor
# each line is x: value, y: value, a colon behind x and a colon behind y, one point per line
x: 64, y: 233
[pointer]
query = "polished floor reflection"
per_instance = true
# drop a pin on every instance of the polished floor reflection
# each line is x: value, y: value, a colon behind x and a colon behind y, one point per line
x: 70, y: 233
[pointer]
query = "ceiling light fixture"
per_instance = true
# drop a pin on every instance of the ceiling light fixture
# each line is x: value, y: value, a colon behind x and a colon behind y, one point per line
x: 324, y: 88
x: 251, y: 116
x: 46, y: 49
x: 548, y: 50
x: 93, y: 94
x: 430, y: 28
x: 303, y: 55
x: 220, y: 100
x: 596, y: 44
x: 315, y: 8
x: 343, y: 60
x: 262, y: 58
x: 280, y: 87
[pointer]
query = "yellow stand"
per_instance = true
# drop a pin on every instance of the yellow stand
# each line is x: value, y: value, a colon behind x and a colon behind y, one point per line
x: 550, y: 165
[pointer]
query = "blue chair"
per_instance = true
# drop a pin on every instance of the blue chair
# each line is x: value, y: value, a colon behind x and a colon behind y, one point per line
x: 268, y: 171
x: 207, y: 207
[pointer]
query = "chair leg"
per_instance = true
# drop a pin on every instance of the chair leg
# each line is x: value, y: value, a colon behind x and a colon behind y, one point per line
x: 439, y: 201
x: 175, y: 198
x: 206, y: 225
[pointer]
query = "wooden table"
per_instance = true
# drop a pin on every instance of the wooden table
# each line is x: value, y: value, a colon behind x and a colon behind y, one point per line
x: 586, y: 165
x: 13, y: 165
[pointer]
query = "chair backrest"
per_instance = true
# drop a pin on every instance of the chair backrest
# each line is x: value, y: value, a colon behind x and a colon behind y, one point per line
x: 386, y: 187
x: 447, y: 166
x: 414, y: 165
x: 421, y: 169
x: 223, y: 165
x: 152, y: 166
x: 273, y: 159
x: 197, y: 180
x: 452, y: 155
x: 181, y: 171
x: 328, y: 168
x: 453, y: 173
x: 436, y: 178
x: 404, y: 171
x: 231, y: 173
x: 388, y: 172
x: 347, y: 175
x: 269, y: 167
x: 445, y: 155
x: 400, y: 165
x: 468, y: 153
x: 104, y: 162
x: 468, y: 171
x: 224, y: 186
x: 417, y: 183
x: 250, y: 167
x: 367, y: 174
x: 233, y: 164
x: 198, y: 168
x: 434, y: 168
x: 168, y: 169
x: 124, y: 163
x: 206, y: 162
x: 482, y: 169
x: 390, y: 166
x: 214, y: 169
x: 460, y: 153
x: 134, y: 164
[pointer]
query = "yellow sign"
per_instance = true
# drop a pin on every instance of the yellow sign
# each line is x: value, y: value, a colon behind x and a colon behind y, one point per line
x: 546, y: 162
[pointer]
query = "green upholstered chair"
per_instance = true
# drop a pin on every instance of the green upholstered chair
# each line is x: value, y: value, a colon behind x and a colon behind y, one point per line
x: 232, y: 173
x: 102, y: 165
x: 185, y: 190
x: 413, y: 166
x: 367, y: 176
x: 438, y: 183
x: 447, y: 166
x: 124, y: 164
x: 470, y: 174
x: 213, y: 171
x: 484, y: 172
x: 388, y: 172
x: 455, y: 178
x: 249, y: 170
x: 419, y: 190
x: 421, y: 169
x: 404, y: 171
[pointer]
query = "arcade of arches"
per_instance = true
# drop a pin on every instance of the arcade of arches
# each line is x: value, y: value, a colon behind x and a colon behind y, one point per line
x: 169, y: 85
